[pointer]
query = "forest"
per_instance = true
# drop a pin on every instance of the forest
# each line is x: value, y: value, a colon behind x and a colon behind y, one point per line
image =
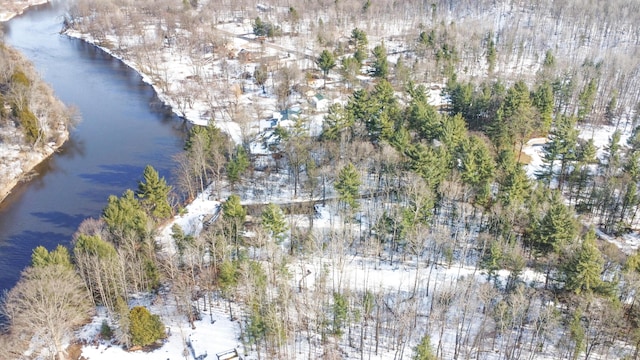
x: 406, y: 219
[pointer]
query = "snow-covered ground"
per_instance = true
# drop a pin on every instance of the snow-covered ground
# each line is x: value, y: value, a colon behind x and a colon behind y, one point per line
x: 172, y: 78
x: 215, y: 333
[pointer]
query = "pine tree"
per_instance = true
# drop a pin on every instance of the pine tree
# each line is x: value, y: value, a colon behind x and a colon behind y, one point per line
x: 515, y: 186
x: 348, y: 184
x: 453, y: 132
x: 584, y: 269
x: 181, y: 240
x: 543, y: 101
x: 556, y: 229
x: 492, y: 54
x: 380, y: 63
x: 515, y: 119
x: 273, y: 220
x: 59, y: 256
x: 234, y: 214
x: 154, y: 194
x: 586, y: 99
x: 340, y: 312
x: 97, y: 263
x: 124, y: 216
x: 562, y: 146
x: 338, y: 124
x: 359, y: 39
x: 238, y: 165
x: 424, y: 351
x: 431, y: 164
x: 422, y: 116
x: 477, y: 166
x: 326, y: 61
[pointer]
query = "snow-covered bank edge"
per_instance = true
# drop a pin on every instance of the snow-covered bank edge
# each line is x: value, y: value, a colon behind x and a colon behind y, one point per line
x: 166, y: 100
x: 12, y: 9
x: 33, y: 159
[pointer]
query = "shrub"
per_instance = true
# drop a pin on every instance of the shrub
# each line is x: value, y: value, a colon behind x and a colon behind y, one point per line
x: 105, y: 331
x: 145, y: 327
x: 28, y: 123
x: 21, y: 78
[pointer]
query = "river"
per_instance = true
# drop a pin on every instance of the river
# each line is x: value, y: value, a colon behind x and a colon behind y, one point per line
x: 124, y: 127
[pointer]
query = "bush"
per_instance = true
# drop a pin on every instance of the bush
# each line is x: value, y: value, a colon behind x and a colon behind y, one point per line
x: 28, y: 123
x: 20, y: 78
x: 145, y: 327
x: 106, y: 332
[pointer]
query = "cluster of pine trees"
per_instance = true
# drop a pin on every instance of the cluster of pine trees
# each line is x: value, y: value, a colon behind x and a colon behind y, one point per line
x: 412, y: 185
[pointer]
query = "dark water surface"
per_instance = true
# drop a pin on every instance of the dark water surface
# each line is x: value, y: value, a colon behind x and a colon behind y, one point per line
x: 124, y: 127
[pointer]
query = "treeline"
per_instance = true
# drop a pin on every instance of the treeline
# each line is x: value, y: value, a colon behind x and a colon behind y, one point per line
x: 112, y: 258
x: 30, y: 115
x: 593, y: 45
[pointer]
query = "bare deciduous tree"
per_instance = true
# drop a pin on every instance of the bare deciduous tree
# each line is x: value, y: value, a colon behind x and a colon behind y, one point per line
x: 48, y: 303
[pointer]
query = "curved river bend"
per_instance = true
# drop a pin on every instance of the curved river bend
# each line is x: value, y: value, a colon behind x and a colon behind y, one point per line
x: 124, y: 127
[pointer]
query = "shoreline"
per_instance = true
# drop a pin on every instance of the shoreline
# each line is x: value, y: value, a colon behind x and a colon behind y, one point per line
x: 14, y: 8
x: 34, y: 157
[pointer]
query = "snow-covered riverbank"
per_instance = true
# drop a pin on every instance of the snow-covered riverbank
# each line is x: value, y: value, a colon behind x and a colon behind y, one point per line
x: 11, y: 8
x: 17, y: 161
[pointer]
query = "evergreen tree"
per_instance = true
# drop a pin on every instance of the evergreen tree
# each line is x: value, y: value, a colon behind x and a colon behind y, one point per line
x: 492, y: 54
x: 613, y: 157
x: 549, y: 59
x: 326, y: 61
x: 453, y: 133
x: 59, y: 256
x: 340, y: 313
x: 477, y: 165
x: 359, y: 39
x: 238, y: 165
x: 181, y: 240
x: 380, y: 63
x: 584, y: 269
x: 431, y: 164
x: 424, y: 351
x: 350, y: 69
x: 586, y: 99
x: 154, y: 192
x: 234, y: 214
x: 561, y: 146
x: 421, y: 116
x: 543, y: 101
x: 145, y: 328
x: 348, y: 184
x: 556, y: 229
x: 274, y: 221
x: 577, y: 333
x: 94, y: 245
x: 516, y: 118
x: 338, y: 124
x: 124, y: 216
x: 514, y: 182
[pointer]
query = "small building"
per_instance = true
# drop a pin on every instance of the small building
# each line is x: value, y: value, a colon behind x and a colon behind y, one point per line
x: 319, y: 102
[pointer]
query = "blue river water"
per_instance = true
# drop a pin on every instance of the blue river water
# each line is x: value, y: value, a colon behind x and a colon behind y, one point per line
x: 123, y: 128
